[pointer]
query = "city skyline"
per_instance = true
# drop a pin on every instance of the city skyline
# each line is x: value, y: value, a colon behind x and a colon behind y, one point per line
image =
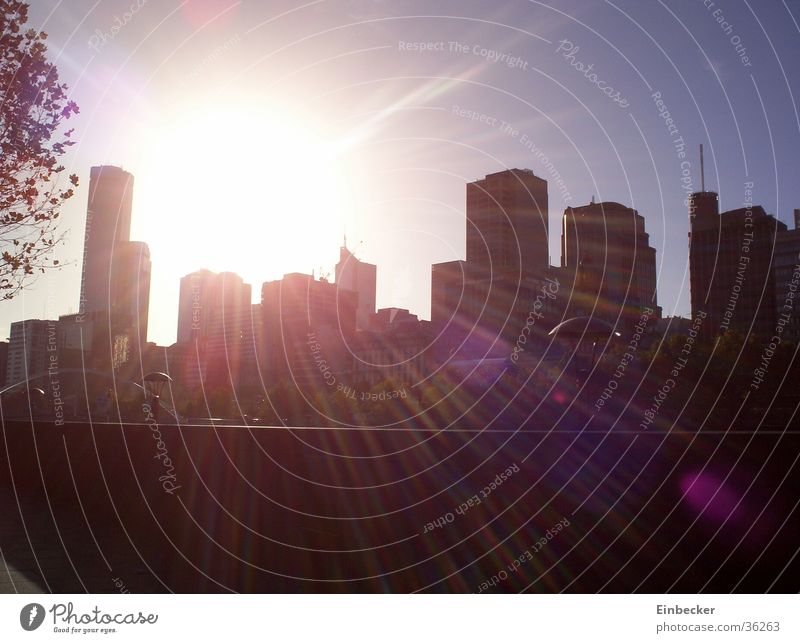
x: 435, y: 129
x: 392, y: 296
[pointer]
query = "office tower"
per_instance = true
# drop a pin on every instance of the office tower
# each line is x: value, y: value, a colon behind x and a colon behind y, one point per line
x: 359, y: 277
x: 308, y: 324
x: 30, y: 344
x: 482, y: 303
x: 730, y: 264
x: 108, y: 224
x: 115, y: 280
x: 130, y: 304
x: 213, y: 316
x: 786, y: 274
x: 607, y: 252
x: 3, y: 363
x: 196, y: 300
x: 226, y: 332
x: 507, y: 225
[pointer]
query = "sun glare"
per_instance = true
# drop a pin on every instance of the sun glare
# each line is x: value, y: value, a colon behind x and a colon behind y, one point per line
x: 246, y: 190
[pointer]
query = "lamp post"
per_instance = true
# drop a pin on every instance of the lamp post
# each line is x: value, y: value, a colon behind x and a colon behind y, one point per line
x: 154, y: 384
x: 578, y: 329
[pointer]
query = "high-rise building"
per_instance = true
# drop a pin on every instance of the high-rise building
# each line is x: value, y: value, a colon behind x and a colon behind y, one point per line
x: 360, y: 277
x: 115, y: 280
x: 308, y: 324
x: 786, y: 274
x: 507, y: 225
x: 483, y: 302
x: 108, y: 224
x: 3, y: 363
x: 213, y: 317
x: 730, y: 264
x: 196, y: 301
x: 30, y: 344
x: 130, y: 304
x: 606, y: 250
x: 226, y: 334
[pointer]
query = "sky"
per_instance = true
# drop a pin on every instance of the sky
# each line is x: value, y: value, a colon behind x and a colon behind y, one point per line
x: 260, y: 133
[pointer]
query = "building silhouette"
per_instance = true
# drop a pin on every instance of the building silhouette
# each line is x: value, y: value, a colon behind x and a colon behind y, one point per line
x: 308, y: 324
x: 507, y: 225
x: 30, y: 344
x: 197, y: 292
x: 481, y: 303
x: 115, y: 278
x: 214, y: 321
x: 731, y: 266
x: 108, y: 225
x: 3, y: 363
x: 130, y: 305
x: 359, y: 277
x: 606, y: 253
x: 786, y: 273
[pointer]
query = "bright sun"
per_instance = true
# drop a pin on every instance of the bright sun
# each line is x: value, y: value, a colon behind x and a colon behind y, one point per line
x: 247, y: 190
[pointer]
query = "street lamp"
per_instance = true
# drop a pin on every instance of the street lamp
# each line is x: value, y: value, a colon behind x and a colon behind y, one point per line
x: 584, y: 328
x: 154, y: 384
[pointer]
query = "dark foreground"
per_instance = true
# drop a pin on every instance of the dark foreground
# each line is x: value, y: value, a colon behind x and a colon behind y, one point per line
x: 101, y: 509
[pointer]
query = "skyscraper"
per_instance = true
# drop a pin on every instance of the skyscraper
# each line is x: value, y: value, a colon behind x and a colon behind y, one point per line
x: 130, y: 304
x: 214, y: 316
x: 307, y: 323
x: 730, y: 264
x: 28, y: 348
x: 507, y: 225
x: 108, y: 224
x: 486, y: 298
x: 607, y: 252
x: 786, y: 272
x: 194, y: 305
x: 360, y: 277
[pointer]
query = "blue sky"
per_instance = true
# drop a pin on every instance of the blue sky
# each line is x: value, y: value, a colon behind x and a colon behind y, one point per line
x: 397, y: 104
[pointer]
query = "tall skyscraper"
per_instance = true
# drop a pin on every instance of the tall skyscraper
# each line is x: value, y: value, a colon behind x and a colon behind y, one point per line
x: 486, y: 298
x: 730, y: 264
x: 359, y: 277
x: 507, y: 225
x: 108, y: 224
x: 606, y: 250
x: 130, y: 305
x: 115, y: 281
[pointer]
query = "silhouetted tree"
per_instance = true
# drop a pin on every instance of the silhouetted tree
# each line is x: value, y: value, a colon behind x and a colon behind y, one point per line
x: 33, y: 105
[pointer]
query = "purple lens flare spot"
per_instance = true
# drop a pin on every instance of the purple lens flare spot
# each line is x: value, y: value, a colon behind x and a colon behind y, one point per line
x: 711, y: 497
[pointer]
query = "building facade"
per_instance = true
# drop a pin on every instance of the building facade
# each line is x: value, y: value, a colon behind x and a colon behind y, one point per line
x: 361, y: 278
x: 308, y: 325
x: 108, y: 225
x: 115, y: 278
x: 731, y: 266
x: 606, y: 251
x: 29, y: 347
x: 507, y: 223
x: 214, y: 314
